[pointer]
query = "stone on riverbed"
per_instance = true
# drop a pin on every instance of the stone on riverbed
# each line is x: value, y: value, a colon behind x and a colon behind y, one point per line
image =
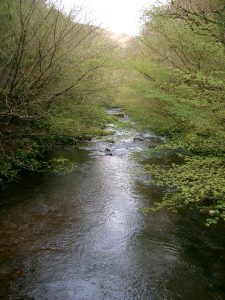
x: 108, y: 152
x: 138, y: 138
x: 110, y: 141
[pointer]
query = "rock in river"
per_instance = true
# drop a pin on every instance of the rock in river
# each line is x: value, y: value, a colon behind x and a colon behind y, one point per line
x: 138, y: 138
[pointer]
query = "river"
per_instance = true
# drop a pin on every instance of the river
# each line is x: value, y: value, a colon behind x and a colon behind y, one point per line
x: 83, y: 234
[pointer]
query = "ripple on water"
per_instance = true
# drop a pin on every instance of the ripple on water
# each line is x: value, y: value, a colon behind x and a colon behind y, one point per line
x: 83, y: 235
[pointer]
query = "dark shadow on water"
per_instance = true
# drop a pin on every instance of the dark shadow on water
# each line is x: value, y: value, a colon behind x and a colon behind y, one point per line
x: 198, y: 269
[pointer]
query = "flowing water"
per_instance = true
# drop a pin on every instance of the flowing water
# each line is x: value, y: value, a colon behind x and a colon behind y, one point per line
x: 83, y: 234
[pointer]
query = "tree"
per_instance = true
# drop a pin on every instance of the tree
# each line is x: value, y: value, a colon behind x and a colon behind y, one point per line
x: 183, y: 66
x: 46, y: 58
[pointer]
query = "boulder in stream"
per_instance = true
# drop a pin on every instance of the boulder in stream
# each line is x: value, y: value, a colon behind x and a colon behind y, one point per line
x: 108, y: 152
x: 110, y: 141
x: 138, y: 138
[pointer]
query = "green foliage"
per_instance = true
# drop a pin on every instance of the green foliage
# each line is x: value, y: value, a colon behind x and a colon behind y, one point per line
x: 60, y: 165
x: 7, y: 170
x: 199, y: 182
x: 78, y: 120
x: 177, y: 90
x: 51, y: 68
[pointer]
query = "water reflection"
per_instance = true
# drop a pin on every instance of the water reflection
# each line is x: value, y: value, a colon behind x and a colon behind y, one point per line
x: 82, y: 235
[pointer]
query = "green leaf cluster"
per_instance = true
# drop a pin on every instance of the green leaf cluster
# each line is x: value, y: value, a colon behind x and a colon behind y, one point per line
x: 198, y: 182
x: 177, y: 90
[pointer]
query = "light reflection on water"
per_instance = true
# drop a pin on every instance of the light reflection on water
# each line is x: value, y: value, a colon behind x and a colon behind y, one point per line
x: 83, y: 236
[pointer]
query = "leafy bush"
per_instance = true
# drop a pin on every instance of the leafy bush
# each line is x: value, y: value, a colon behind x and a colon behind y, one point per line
x: 199, y: 182
x: 177, y: 90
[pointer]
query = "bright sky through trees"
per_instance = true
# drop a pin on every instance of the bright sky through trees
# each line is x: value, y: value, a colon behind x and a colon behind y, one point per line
x: 114, y: 15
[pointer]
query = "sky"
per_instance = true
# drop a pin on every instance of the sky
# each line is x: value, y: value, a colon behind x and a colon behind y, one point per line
x: 114, y: 15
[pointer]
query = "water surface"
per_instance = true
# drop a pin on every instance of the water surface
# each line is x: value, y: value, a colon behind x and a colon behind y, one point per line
x: 83, y: 235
